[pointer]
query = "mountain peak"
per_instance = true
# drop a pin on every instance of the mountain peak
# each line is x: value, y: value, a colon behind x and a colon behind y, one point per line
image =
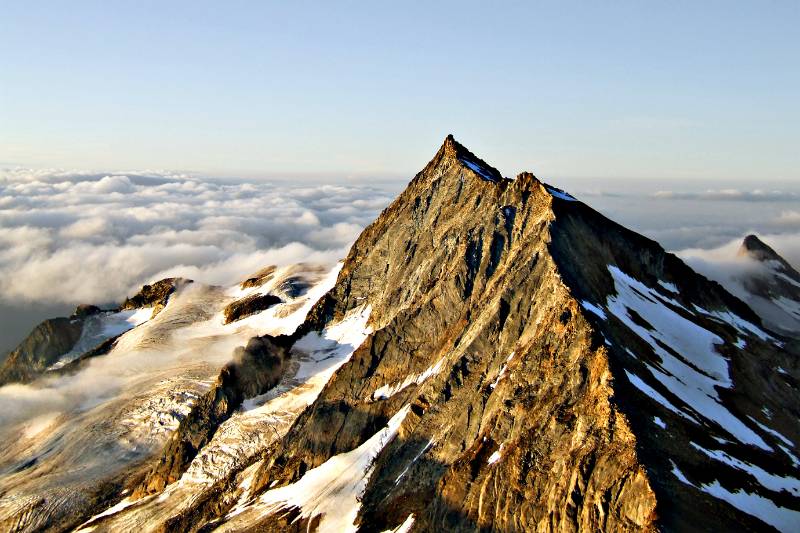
x: 508, y: 321
x: 773, y: 291
x: 757, y: 249
x: 454, y: 152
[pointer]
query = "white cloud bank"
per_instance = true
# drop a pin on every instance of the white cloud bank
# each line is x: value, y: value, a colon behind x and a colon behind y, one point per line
x: 79, y: 237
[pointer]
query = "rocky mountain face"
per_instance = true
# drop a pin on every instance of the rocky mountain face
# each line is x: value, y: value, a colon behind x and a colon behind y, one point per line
x: 492, y: 355
x: 533, y: 365
x: 155, y: 295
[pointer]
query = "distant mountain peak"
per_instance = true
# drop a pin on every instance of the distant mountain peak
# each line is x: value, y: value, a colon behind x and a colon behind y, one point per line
x: 757, y: 249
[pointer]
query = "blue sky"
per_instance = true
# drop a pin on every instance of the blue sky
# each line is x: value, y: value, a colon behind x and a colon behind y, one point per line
x: 651, y: 90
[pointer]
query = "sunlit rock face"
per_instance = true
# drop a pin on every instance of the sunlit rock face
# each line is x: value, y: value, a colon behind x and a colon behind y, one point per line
x: 492, y: 354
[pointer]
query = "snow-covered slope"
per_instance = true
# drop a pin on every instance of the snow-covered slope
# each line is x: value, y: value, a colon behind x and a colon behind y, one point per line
x: 86, y: 434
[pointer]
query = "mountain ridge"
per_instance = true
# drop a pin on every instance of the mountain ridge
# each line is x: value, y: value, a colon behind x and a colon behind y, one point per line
x: 360, y: 280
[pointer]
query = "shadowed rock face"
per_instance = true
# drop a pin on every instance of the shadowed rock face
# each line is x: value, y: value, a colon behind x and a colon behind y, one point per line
x: 757, y: 249
x: 45, y: 344
x: 54, y: 337
x: 255, y: 369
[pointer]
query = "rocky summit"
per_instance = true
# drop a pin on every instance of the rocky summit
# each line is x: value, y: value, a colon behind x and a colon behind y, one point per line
x: 492, y: 355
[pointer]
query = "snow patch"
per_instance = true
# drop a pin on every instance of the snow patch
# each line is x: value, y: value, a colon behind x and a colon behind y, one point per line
x: 660, y: 423
x: 500, y: 375
x: 405, y: 527
x: 414, y: 460
x: 787, y: 279
x: 792, y: 307
x: 770, y: 430
x: 769, y: 481
x: 738, y: 323
x: 276, y: 320
x: 496, y: 455
x: 695, y: 375
x: 120, y: 322
x: 592, y: 308
x: 333, y: 490
x: 387, y: 391
x: 671, y: 287
x: 123, y: 504
x: 483, y: 173
x: 655, y: 395
x: 558, y: 193
x: 764, y: 509
x: 678, y: 474
x: 793, y: 457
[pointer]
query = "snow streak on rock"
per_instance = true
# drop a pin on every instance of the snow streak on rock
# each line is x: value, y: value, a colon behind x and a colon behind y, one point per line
x: 104, y: 326
x: 690, y: 368
x: 332, y: 490
x: 387, y: 391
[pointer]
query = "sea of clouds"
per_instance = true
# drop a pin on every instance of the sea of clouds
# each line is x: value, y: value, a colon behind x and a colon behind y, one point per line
x: 82, y: 237
x: 79, y: 237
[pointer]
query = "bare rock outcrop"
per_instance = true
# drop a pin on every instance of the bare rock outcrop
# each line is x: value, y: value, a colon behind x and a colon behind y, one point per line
x: 154, y: 295
x: 249, y: 305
